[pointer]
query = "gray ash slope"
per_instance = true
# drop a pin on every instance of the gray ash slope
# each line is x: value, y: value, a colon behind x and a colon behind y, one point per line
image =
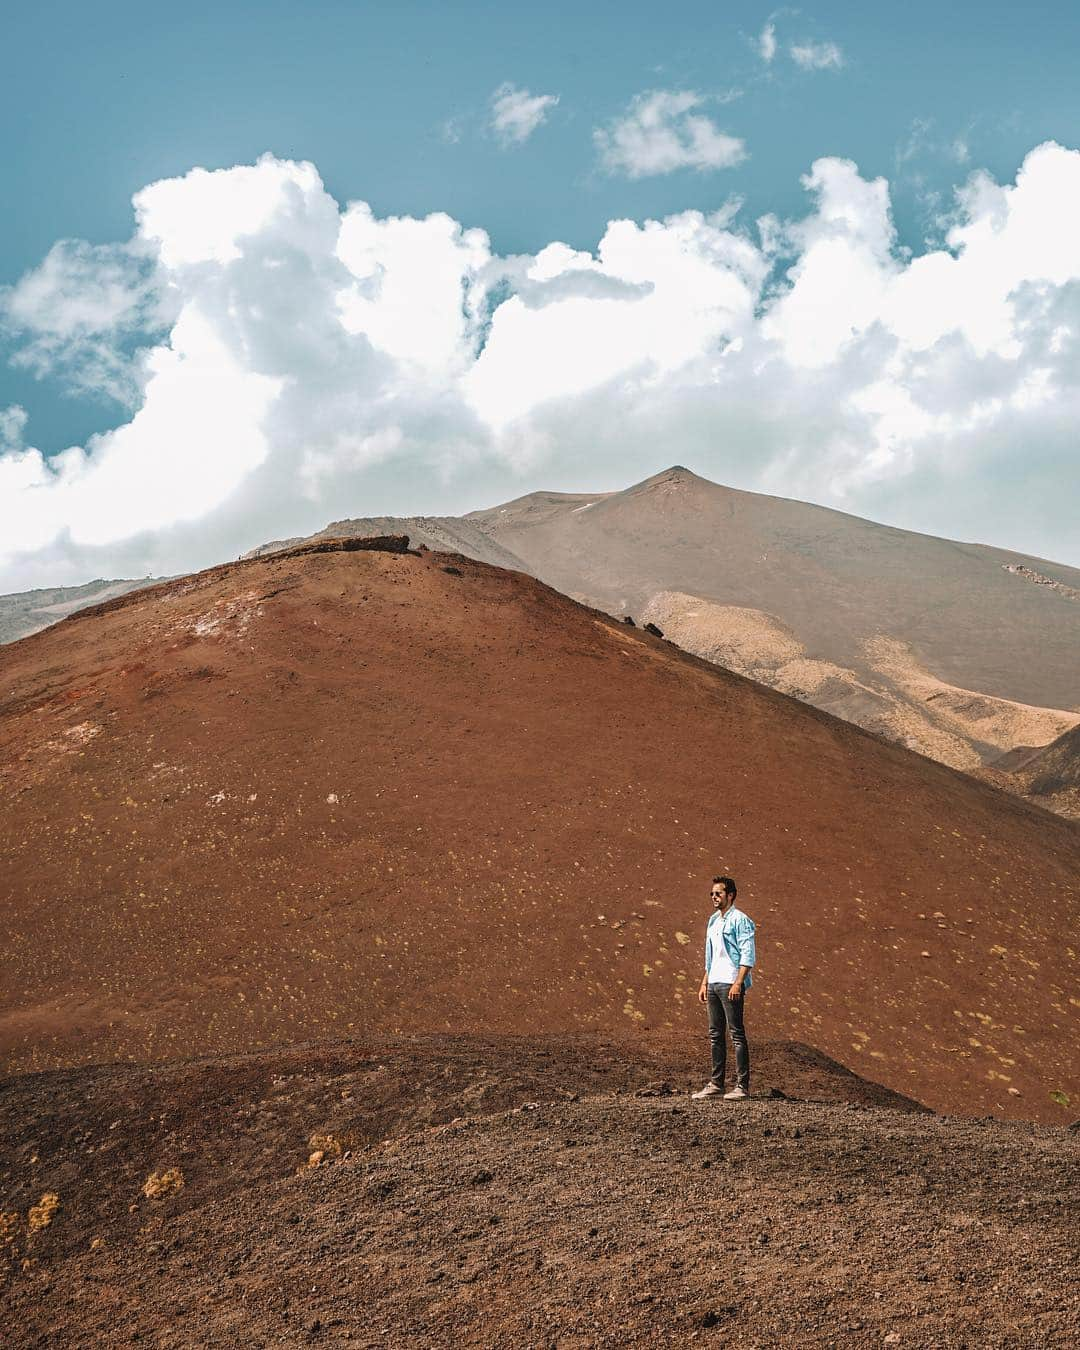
x: 26, y: 612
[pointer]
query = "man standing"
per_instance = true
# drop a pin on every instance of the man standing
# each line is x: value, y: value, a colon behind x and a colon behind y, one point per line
x: 729, y: 956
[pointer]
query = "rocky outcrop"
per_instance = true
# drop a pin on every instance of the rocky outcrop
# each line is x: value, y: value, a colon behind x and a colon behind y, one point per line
x: 1029, y: 574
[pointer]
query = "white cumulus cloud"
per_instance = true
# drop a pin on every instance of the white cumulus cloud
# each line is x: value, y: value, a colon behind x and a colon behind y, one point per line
x: 80, y: 313
x: 766, y: 43
x: 515, y: 113
x: 662, y: 131
x: 299, y: 361
x: 817, y: 55
x: 13, y: 420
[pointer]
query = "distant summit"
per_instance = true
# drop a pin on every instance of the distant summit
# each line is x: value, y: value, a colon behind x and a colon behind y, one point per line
x: 921, y: 640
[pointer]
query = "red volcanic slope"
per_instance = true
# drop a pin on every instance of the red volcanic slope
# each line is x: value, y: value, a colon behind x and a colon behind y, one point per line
x: 334, y: 792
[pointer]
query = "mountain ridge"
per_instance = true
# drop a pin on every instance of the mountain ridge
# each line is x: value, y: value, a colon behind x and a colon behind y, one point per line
x: 943, y: 646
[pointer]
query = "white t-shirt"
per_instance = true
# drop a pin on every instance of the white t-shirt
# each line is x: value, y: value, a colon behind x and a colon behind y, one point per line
x: 722, y: 970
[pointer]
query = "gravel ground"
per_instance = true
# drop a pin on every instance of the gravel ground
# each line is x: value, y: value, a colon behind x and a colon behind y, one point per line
x: 628, y: 1216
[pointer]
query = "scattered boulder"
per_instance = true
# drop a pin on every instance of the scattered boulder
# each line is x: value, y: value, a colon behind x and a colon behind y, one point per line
x: 628, y: 620
x: 652, y: 628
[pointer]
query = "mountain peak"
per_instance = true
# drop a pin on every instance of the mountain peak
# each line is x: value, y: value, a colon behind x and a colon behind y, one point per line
x: 678, y: 475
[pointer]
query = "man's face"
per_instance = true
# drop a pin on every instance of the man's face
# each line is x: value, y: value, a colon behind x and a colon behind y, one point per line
x: 719, y: 897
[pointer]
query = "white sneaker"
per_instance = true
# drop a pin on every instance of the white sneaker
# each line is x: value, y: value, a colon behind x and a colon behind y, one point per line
x: 709, y: 1090
x: 735, y: 1095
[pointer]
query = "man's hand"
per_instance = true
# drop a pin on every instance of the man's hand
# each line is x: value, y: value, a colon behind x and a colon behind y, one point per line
x: 735, y: 992
x: 703, y: 991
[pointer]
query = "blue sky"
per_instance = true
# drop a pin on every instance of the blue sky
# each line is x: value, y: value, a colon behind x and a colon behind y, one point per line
x: 393, y: 104
x: 106, y: 98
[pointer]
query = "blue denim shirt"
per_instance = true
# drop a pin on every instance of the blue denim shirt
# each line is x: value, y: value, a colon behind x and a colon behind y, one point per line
x: 736, y: 930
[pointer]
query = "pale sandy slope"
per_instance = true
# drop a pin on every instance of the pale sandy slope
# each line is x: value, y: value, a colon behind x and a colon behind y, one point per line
x: 893, y: 695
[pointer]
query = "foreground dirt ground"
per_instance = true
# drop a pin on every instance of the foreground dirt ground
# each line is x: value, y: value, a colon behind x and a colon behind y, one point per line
x: 510, y: 1191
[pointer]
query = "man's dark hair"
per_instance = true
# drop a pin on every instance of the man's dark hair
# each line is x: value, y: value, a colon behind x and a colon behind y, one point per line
x: 729, y: 886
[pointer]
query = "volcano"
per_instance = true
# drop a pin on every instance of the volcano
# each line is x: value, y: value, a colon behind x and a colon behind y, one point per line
x: 348, y: 788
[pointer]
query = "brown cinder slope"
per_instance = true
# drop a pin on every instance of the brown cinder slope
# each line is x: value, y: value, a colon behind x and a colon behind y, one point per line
x: 333, y: 792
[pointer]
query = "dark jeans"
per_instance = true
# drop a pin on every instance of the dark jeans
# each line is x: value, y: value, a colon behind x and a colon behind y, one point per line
x: 726, y: 1014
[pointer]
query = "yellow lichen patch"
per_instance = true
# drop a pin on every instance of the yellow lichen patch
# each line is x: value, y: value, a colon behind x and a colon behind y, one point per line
x: 9, y: 1228
x: 158, y: 1184
x: 682, y: 938
x: 39, y: 1216
x: 323, y: 1147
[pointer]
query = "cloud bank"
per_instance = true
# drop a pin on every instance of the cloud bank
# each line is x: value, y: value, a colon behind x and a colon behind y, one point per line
x: 285, y: 361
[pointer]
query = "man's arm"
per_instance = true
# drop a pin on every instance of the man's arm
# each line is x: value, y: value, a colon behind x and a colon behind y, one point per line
x: 703, y: 991
x: 744, y: 939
